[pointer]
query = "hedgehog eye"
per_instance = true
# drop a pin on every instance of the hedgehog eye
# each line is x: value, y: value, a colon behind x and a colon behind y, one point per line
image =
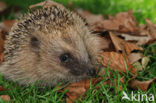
x: 34, y: 43
x: 64, y: 57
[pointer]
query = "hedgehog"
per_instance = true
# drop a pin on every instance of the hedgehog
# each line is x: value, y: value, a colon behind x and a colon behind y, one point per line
x: 50, y: 45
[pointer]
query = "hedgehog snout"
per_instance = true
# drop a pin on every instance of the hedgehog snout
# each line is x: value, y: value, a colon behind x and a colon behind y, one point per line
x: 91, y: 72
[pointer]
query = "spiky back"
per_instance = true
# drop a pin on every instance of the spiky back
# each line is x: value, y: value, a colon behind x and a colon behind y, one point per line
x: 44, y: 20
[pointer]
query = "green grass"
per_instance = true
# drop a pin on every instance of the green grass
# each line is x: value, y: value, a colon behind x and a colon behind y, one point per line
x: 33, y: 94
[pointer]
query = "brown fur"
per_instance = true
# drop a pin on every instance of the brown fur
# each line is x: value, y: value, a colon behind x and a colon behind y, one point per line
x: 58, y: 31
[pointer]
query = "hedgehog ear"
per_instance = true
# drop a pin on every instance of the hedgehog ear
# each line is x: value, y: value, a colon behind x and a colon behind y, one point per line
x: 35, y: 44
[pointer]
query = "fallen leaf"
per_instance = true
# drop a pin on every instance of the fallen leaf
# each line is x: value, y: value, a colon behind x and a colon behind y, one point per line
x: 5, y: 97
x: 142, y: 30
x: 75, y: 93
x: 122, y: 45
x: 133, y: 57
x: 117, y: 42
x: 6, y: 25
x: 127, y: 23
x: 121, y: 22
x: 106, y: 44
x: 77, y: 89
x: 140, y: 40
x: 151, y: 42
x: 143, y: 85
x: 129, y: 47
x: 152, y: 29
x: 1, y: 57
x: 90, y: 18
x: 2, y: 38
x: 70, y: 99
x: 116, y: 61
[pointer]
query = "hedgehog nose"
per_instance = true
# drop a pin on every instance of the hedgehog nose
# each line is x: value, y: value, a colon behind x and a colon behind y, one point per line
x: 91, y: 72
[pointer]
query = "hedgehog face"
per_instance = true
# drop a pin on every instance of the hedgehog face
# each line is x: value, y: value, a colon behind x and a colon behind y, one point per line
x: 76, y: 67
x: 63, y: 57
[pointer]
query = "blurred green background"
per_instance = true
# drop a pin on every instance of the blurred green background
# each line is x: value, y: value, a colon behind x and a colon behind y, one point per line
x: 141, y: 8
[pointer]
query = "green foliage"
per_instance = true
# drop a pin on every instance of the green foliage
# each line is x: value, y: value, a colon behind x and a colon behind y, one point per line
x: 141, y: 8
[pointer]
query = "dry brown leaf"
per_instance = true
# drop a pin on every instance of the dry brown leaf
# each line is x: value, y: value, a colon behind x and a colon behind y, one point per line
x: 90, y: 18
x: 6, y: 25
x: 133, y: 57
x: 105, y: 25
x: 151, y: 42
x: 122, y: 22
x: 75, y: 93
x: 140, y: 40
x: 2, y: 6
x: 2, y: 38
x: 142, y: 30
x: 5, y: 97
x: 143, y: 85
x: 1, y: 57
x: 77, y: 89
x: 127, y: 21
x: 71, y: 99
x: 1, y: 42
x: 148, y: 30
x: 116, y: 61
x: 122, y: 45
x: 129, y: 47
x: 152, y: 29
x: 106, y: 43
x: 117, y: 42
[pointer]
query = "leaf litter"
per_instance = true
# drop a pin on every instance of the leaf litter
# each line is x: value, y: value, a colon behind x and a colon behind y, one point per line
x: 124, y: 34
